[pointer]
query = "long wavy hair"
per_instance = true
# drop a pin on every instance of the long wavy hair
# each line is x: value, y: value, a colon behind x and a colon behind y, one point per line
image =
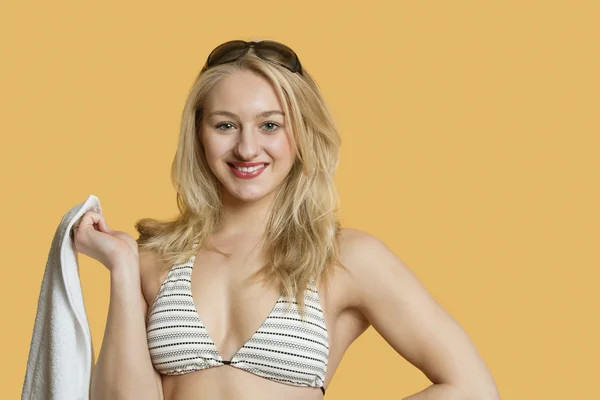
x: 301, y: 240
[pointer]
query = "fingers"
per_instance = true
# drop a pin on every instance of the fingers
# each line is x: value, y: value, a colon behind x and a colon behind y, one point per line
x: 92, y: 219
x: 102, y: 225
x: 105, y: 227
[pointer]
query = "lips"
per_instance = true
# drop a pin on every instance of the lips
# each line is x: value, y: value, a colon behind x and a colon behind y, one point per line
x: 255, y: 169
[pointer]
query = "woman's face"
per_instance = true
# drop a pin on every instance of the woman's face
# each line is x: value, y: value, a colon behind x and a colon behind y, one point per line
x: 245, y: 139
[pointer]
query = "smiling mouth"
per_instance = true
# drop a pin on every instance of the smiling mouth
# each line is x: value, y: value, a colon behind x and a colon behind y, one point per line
x: 247, y: 172
x: 248, y: 169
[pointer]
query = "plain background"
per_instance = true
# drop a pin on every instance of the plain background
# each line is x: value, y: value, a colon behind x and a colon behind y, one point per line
x: 470, y: 147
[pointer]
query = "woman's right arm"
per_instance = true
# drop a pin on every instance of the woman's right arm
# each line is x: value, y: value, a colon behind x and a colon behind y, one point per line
x: 124, y: 369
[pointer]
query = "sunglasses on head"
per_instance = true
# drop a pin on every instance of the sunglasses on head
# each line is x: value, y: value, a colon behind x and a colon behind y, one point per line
x: 268, y: 50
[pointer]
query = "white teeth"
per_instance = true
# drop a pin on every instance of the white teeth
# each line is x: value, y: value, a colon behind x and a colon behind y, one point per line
x: 249, y: 169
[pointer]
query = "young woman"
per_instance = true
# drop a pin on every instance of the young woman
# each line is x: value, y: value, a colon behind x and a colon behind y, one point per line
x: 255, y: 291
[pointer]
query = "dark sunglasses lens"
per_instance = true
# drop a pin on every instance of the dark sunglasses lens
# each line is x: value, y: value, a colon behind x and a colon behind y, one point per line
x: 279, y: 53
x: 226, y: 52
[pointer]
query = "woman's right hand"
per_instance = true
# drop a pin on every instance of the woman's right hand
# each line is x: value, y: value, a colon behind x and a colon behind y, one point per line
x: 95, y: 239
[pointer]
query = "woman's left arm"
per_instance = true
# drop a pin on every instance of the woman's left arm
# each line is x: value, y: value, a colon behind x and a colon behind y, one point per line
x: 403, y: 312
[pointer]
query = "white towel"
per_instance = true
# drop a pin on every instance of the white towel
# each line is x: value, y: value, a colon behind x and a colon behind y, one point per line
x: 61, y: 356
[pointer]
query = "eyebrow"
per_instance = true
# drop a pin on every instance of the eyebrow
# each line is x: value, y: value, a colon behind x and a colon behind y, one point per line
x: 232, y: 115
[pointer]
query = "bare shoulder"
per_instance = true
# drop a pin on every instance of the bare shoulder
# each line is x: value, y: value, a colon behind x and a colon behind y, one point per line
x: 354, y: 242
x: 363, y: 255
x: 374, y: 272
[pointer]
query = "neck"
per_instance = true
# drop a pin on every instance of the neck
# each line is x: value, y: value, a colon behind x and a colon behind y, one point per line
x: 244, y: 217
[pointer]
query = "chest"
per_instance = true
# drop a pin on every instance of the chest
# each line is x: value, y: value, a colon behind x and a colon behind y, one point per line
x: 231, y: 305
x: 209, y: 312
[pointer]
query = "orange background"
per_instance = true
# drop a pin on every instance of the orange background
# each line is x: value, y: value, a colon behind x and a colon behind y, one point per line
x: 470, y: 146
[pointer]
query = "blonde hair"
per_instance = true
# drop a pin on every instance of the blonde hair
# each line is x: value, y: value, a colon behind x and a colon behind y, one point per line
x: 301, y: 240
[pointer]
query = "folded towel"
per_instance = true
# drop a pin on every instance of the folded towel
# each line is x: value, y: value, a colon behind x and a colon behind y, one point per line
x: 61, y: 354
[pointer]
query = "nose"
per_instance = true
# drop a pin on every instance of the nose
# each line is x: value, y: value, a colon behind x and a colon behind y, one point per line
x: 248, y: 144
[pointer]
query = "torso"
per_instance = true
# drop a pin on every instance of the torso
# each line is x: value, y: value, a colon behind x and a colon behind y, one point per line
x: 233, y: 309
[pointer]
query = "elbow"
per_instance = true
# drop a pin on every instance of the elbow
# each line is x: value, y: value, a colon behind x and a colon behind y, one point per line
x: 480, y: 388
x: 472, y: 390
x: 486, y: 393
x: 493, y: 394
x: 490, y: 392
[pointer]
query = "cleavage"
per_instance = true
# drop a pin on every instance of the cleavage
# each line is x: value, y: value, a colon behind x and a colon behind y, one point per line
x: 231, y: 307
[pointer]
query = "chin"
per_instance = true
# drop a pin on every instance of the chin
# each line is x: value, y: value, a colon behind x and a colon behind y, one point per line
x: 249, y: 196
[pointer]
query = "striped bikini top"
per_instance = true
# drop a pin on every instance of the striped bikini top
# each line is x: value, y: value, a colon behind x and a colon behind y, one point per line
x: 285, y: 348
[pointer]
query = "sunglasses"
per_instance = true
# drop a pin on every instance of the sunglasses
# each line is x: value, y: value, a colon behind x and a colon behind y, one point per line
x: 268, y: 50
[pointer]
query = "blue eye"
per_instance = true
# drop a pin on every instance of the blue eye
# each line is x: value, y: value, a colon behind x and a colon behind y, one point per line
x: 220, y: 125
x: 226, y: 126
x: 275, y: 126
